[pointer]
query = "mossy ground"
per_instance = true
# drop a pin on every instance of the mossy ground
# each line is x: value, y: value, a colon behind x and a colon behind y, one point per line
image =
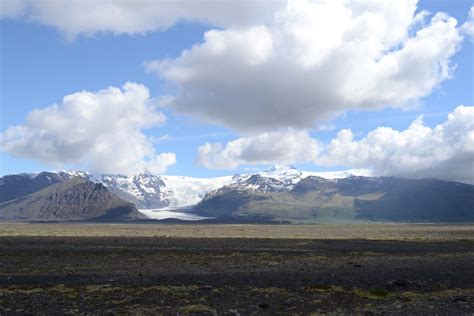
x: 134, y: 275
x: 205, y: 299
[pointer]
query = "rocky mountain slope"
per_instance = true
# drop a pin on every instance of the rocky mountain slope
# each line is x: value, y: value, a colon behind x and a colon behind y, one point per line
x: 351, y: 198
x: 72, y: 199
x: 14, y: 186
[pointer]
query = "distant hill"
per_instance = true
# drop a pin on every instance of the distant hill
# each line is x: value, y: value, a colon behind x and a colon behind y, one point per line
x: 14, y: 186
x: 73, y: 199
x: 352, y: 198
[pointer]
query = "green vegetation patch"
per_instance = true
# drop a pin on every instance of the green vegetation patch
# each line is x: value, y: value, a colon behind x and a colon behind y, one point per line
x: 19, y: 290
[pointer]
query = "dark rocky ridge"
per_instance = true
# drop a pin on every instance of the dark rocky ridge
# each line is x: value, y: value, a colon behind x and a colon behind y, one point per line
x: 74, y: 199
x: 15, y: 186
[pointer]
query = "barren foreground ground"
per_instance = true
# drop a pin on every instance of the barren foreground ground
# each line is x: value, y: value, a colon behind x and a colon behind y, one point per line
x: 298, y: 270
x: 373, y: 231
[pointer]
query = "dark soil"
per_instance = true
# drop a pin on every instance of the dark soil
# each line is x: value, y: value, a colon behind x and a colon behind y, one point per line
x: 57, y: 275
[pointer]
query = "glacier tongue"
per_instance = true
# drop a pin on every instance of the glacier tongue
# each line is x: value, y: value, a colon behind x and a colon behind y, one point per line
x: 186, y: 191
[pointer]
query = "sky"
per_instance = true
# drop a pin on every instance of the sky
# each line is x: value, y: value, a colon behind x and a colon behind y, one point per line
x: 213, y: 88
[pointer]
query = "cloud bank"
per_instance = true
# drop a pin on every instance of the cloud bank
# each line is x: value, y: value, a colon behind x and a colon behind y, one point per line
x: 87, y: 17
x: 313, y: 61
x: 102, y: 130
x: 445, y: 151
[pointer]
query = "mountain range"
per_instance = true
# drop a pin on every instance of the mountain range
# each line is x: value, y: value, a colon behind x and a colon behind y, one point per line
x: 279, y: 193
x: 348, y: 199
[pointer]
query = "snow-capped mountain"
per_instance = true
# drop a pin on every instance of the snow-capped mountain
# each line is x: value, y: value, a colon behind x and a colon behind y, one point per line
x: 274, y: 179
x: 148, y: 191
x: 144, y: 190
x: 287, y: 174
x: 279, y: 178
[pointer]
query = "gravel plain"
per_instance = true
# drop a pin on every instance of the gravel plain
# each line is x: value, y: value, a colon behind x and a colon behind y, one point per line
x: 310, y: 269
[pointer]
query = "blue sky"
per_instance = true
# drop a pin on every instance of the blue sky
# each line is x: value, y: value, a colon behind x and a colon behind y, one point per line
x: 41, y: 63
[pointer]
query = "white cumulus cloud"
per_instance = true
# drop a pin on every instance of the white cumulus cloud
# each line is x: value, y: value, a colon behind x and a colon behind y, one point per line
x: 468, y: 26
x: 101, y: 130
x: 313, y: 61
x: 282, y: 147
x: 445, y: 151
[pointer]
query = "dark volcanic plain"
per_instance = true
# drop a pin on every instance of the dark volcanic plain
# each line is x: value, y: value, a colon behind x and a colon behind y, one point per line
x: 150, y: 275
